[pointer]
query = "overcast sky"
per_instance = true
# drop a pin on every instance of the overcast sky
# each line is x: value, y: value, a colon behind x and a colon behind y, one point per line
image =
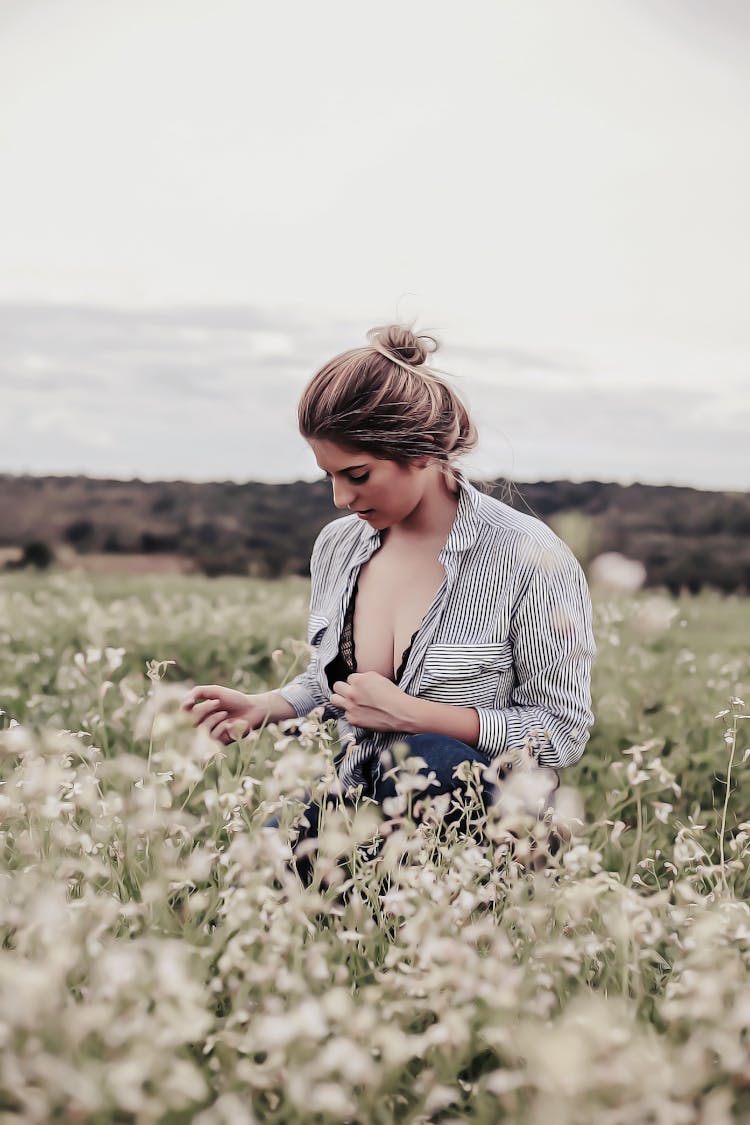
x: 201, y: 203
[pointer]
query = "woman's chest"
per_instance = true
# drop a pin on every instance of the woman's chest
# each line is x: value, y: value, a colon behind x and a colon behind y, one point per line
x: 394, y: 592
x: 461, y: 611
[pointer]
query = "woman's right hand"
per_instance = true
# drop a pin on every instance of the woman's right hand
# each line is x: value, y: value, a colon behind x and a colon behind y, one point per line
x: 223, y: 712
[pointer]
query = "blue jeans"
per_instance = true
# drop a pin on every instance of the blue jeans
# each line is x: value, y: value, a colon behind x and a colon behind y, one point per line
x: 441, y: 753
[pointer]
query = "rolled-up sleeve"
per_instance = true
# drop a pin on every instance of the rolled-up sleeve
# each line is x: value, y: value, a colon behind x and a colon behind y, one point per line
x: 553, y: 651
x: 302, y: 692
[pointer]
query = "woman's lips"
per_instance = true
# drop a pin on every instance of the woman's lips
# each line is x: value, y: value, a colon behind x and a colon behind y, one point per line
x: 367, y: 512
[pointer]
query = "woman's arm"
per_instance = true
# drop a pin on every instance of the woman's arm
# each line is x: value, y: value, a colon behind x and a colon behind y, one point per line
x: 442, y: 718
x: 276, y: 706
x: 553, y: 650
x: 300, y: 695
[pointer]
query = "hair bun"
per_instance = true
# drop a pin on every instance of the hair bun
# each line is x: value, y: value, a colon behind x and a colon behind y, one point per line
x: 401, y: 344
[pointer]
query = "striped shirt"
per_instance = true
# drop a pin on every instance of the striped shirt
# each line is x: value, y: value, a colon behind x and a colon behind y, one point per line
x: 508, y: 633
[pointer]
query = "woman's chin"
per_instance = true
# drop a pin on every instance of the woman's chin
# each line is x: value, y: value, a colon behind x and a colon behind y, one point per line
x: 375, y: 518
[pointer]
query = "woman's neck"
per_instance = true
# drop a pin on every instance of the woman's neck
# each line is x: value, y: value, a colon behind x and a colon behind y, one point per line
x: 434, y: 515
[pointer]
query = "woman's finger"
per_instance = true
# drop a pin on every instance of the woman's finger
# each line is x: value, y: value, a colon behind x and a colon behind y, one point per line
x: 230, y: 726
x: 215, y: 720
x: 193, y: 697
x: 202, y: 710
x: 198, y: 694
x: 227, y: 728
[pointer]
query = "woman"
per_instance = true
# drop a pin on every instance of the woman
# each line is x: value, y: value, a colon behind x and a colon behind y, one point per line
x: 439, y: 615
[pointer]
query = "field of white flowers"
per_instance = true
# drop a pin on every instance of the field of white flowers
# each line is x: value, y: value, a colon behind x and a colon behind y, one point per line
x: 161, y: 962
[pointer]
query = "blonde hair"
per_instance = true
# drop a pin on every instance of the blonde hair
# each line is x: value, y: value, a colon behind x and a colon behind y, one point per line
x: 382, y: 399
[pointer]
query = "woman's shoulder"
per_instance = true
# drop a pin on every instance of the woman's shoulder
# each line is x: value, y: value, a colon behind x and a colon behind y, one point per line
x: 526, y: 547
x: 339, y: 531
x: 528, y: 539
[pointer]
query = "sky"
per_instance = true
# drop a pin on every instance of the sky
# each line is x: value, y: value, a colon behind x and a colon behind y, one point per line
x: 202, y: 203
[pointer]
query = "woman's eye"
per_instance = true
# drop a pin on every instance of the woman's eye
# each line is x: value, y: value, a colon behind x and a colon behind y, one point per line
x: 354, y: 480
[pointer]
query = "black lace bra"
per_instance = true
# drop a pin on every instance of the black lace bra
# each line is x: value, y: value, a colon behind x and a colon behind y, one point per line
x: 345, y: 661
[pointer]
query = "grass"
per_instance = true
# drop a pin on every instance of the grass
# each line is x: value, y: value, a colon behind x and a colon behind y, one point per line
x: 162, y: 963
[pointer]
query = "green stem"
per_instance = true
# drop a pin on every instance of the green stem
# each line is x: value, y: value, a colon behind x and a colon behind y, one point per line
x: 637, y: 842
x: 726, y: 801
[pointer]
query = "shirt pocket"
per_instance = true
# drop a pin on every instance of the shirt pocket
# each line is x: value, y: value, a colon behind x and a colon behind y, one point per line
x: 467, y: 674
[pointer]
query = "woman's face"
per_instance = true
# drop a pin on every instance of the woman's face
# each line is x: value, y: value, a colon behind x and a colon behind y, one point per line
x: 381, y: 492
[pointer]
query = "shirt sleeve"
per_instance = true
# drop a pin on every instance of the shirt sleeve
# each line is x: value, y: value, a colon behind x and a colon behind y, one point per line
x: 303, y: 692
x: 551, y: 632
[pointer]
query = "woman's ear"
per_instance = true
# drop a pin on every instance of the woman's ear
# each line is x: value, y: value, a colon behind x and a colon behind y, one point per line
x: 449, y: 478
x: 424, y: 461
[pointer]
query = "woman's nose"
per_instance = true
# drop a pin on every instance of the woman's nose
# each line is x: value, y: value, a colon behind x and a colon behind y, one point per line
x: 343, y: 495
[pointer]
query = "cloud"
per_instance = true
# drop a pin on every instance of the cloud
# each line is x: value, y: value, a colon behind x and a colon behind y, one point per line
x: 517, y: 188
x: 66, y: 423
x: 207, y: 393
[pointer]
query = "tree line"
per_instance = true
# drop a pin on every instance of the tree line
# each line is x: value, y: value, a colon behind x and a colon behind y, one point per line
x: 686, y: 538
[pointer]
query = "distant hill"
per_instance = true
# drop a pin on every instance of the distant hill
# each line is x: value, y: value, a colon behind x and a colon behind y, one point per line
x: 686, y: 537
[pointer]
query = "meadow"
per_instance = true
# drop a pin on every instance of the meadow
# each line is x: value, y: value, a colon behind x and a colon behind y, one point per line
x: 162, y: 963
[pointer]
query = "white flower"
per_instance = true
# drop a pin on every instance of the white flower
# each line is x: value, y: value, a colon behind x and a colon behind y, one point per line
x: 162, y: 703
x: 634, y: 775
x: 114, y: 657
x: 615, y: 572
x: 654, y: 615
x: 155, y: 669
x: 617, y: 830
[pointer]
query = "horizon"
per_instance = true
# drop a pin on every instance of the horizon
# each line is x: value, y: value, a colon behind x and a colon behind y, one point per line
x: 319, y: 480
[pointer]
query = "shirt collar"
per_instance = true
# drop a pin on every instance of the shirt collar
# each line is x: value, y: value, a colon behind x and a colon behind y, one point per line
x: 463, y: 532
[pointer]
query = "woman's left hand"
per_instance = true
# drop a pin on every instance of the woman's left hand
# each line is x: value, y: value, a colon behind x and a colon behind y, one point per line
x: 371, y: 701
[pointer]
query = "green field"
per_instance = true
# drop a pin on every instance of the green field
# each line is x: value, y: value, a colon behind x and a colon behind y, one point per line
x: 161, y: 963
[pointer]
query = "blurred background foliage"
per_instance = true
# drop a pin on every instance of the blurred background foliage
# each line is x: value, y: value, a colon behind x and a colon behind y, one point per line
x: 686, y: 538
